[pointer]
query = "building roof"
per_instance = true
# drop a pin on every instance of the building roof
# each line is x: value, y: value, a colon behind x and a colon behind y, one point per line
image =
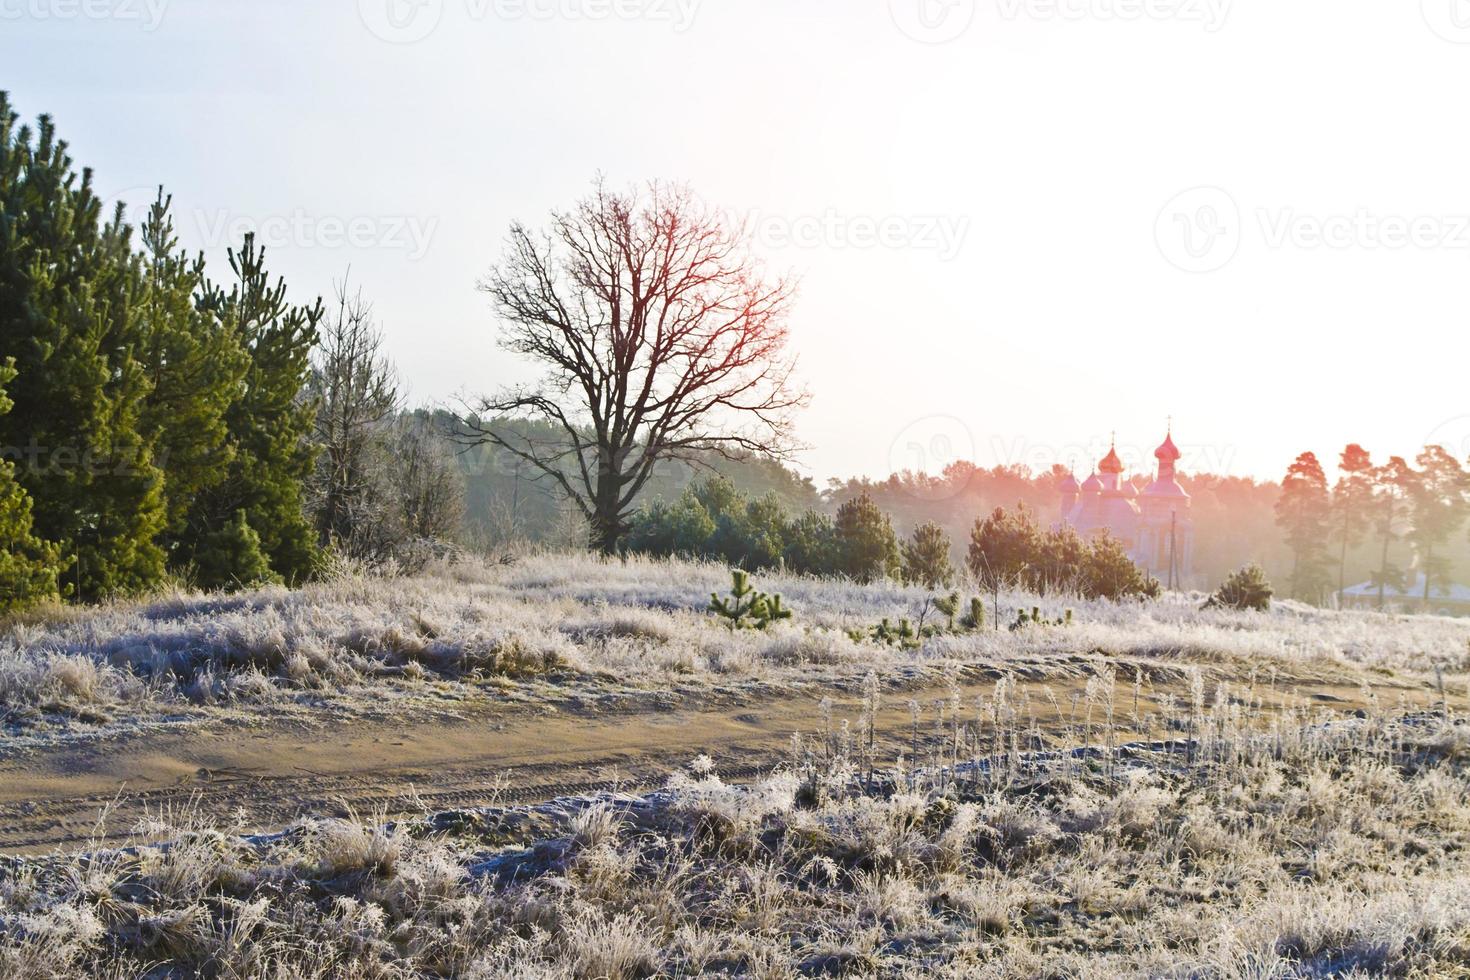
x: 1453, y: 592
x: 1111, y: 463
x: 1168, y: 451
x: 1092, y: 484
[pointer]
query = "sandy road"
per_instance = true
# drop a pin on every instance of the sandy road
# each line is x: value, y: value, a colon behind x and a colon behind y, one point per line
x: 52, y: 799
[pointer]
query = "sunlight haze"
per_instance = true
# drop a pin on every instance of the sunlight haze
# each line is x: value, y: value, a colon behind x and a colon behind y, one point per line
x: 1018, y: 226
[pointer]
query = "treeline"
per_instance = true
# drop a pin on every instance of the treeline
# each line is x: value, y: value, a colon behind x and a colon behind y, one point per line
x: 1408, y: 516
x: 1007, y: 549
x: 1234, y: 517
x: 157, y: 421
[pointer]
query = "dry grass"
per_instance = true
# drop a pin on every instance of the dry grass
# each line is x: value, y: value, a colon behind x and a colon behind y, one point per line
x: 560, y: 620
x: 1321, y: 847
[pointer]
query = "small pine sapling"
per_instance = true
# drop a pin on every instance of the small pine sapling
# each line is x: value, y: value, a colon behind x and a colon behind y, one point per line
x: 745, y: 607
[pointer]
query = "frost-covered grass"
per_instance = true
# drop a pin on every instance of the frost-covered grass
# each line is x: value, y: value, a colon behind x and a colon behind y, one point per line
x: 552, y: 621
x: 1322, y: 847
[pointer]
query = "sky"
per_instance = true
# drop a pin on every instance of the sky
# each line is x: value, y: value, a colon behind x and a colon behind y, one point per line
x: 1019, y: 226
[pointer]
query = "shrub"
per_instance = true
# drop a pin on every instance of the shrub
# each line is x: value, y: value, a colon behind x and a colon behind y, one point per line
x: 867, y: 546
x: 1246, y: 588
x: 926, y: 557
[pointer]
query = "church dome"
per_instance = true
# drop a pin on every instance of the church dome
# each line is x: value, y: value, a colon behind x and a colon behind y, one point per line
x: 1069, y: 485
x: 1168, y: 451
x: 1092, y: 484
x: 1111, y: 463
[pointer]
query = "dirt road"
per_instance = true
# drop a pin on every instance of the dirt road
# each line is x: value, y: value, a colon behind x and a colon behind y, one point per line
x: 61, y: 798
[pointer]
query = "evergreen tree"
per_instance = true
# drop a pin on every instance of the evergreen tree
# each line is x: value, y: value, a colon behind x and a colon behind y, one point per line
x: 70, y: 290
x: 1003, y: 549
x: 681, y: 528
x: 1392, y: 484
x: 1246, y: 589
x: 867, y: 546
x: 1108, y: 573
x: 1304, y: 512
x: 1060, y: 562
x: 811, y: 545
x: 231, y: 557
x: 1439, y: 498
x: 268, y: 424
x: 926, y: 557
x: 1352, y: 502
x: 28, y: 565
x: 195, y: 366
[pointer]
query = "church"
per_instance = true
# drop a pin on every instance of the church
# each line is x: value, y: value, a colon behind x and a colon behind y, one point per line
x: 1154, y: 524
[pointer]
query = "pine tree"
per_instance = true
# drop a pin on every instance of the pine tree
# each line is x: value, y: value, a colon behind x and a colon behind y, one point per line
x: 231, y: 557
x: 867, y: 546
x: 1003, y: 548
x: 1352, y: 499
x: 195, y: 366
x: 70, y: 287
x: 1439, y: 498
x: 1303, y: 511
x: 1246, y: 589
x: 811, y: 546
x: 1392, y: 485
x: 28, y: 565
x: 268, y: 424
x: 926, y: 557
x: 1108, y: 572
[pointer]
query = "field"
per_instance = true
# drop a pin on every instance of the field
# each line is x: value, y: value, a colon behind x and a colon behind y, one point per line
x: 351, y: 780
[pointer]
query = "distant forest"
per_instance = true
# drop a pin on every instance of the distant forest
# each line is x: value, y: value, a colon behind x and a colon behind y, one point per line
x: 1235, y: 517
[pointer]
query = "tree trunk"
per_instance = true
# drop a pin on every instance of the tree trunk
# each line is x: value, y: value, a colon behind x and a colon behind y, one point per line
x: 1383, y: 572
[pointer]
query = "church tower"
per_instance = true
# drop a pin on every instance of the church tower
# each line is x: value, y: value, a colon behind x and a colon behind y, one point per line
x: 1167, y: 537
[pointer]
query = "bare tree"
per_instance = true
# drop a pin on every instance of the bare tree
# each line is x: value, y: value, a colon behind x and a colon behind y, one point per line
x: 660, y: 340
x: 427, y: 482
x: 357, y: 396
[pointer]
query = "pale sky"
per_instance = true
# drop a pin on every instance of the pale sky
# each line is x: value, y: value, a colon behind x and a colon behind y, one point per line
x: 1019, y: 224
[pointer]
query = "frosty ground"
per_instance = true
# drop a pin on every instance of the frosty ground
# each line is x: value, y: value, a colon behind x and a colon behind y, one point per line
x: 342, y: 717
